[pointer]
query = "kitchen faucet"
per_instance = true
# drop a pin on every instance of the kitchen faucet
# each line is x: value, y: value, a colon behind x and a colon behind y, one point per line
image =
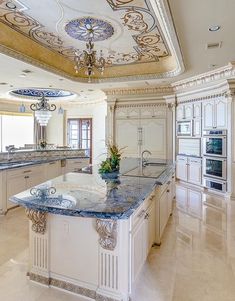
x: 142, y: 160
x: 10, y: 150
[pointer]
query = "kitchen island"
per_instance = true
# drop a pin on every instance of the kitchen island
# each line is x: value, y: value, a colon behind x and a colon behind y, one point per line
x: 91, y: 236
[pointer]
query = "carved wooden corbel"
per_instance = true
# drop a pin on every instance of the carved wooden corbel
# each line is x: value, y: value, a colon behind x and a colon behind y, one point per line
x: 38, y: 219
x: 107, y: 230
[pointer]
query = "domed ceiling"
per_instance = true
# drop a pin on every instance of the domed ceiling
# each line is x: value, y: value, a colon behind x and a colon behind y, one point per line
x: 136, y: 37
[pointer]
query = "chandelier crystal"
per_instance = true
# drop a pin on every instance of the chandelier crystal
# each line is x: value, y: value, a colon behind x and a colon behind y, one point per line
x: 88, y: 60
x: 43, y: 110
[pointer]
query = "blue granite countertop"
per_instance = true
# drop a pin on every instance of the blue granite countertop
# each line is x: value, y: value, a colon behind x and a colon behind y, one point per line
x: 16, y: 164
x: 88, y: 195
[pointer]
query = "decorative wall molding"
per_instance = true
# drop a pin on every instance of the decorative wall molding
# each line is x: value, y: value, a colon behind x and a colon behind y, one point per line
x: 71, y: 287
x: 107, y: 230
x: 138, y: 91
x: 138, y: 105
x: 225, y: 72
x: 38, y: 219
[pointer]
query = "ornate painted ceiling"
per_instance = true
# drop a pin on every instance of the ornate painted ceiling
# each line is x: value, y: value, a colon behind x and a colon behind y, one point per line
x: 137, y: 37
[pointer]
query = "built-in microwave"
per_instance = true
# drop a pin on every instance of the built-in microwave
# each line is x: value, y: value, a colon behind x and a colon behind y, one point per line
x: 184, y: 128
x: 214, y: 167
x: 215, y: 143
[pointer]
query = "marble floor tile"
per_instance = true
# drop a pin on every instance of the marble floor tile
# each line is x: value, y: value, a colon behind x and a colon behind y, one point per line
x: 195, y: 262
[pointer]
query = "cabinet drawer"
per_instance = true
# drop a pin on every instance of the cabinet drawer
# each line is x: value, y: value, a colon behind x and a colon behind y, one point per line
x: 195, y: 161
x: 24, y: 170
x: 182, y: 159
x: 140, y: 212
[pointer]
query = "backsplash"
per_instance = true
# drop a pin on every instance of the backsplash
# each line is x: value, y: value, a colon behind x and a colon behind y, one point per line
x: 42, y: 154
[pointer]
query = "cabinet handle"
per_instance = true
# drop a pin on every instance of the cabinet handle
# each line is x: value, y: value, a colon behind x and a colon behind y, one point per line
x: 168, y: 190
x: 51, y: 163
x: 26, y: 171
x: 173, y: 177
x: 26, y: 177
x: 141, y: 213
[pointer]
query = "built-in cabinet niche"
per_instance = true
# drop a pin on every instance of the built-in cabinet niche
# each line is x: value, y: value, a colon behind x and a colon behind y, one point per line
x: 141, y: 127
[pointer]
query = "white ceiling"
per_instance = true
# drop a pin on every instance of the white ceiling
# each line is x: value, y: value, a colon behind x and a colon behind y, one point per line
x: 191, y: 19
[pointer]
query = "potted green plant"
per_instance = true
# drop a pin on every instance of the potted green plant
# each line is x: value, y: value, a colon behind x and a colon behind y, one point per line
x: 109, y: 168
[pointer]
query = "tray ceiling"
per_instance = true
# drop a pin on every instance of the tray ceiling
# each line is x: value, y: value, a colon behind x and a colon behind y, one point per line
x: 136, y: 36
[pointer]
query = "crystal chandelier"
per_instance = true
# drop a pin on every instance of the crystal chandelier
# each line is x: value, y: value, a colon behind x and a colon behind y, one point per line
x: 88, y: 60
x: 43, y: 110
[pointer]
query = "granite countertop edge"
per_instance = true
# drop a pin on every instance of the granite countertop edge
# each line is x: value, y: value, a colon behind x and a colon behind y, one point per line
x: 38, y: 161
x: 101, y: 215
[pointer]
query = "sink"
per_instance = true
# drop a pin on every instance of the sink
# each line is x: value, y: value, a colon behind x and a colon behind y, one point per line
x: 149, y: 171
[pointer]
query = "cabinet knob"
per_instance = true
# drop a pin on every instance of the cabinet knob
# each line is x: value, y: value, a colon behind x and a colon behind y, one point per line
x: 168, y: 190
x: 146, y: 216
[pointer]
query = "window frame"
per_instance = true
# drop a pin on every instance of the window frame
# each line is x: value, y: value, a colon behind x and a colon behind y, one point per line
x: 79, y: 122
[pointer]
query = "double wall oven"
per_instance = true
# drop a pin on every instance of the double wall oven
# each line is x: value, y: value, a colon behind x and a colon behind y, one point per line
x: 215, y: 159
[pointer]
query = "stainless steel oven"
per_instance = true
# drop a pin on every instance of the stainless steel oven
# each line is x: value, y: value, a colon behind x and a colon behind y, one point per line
x: 215, y: 184
x: 214, y: 167
x: 215, y: 143
x: 184, y: 128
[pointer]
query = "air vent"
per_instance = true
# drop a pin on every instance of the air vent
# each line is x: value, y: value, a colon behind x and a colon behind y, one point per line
x: 214, y: 45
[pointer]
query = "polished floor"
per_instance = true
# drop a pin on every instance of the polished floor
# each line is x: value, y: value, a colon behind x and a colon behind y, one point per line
x: 196, y: 261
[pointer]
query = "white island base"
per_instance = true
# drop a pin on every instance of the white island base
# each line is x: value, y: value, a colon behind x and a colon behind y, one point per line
x: 97, y: 258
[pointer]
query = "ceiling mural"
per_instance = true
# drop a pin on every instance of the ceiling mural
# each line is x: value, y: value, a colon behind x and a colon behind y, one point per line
x: 36, y: 92
x: 128, y: 33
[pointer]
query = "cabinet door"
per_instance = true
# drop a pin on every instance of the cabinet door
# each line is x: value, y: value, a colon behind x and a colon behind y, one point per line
x: 195, y: 203
x: 188, y: 111
x: 154, y: 137
x: 34, y: 179
x: 150, y: 227
x: 53, y: 170
x: 208, y: 115
x: 163, y: 211
x: 15, y: 184
x: 181, y: 197
x: 197, y: 110
x: 181, y: 168
x: 180, y: 112
x: 169, y: 199
x: 221, y: 114
x: 129, y: 137
x: 137, y: 250
x: 197, y: 128
x: 195, y: 171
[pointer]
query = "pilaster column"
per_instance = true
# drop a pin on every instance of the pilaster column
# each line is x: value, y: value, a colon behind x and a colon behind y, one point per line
x: 171, y: 140
x: 110, y: 128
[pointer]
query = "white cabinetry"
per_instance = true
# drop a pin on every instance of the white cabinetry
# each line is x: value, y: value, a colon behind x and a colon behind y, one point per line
x: 189, y: 169
x: 140, y: 128
x: 20, y: 179
x: 142, y: 234
x: 184, y: 111
x: 215, y: 114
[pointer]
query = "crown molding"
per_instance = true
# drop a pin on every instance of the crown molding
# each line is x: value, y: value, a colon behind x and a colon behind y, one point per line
x: 138, y: 91
x: 222, y: 73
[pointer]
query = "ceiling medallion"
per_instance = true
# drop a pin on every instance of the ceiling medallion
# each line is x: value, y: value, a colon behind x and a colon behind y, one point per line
x: 90, y: 30
x: 32, y: 92
x: 85, y: 28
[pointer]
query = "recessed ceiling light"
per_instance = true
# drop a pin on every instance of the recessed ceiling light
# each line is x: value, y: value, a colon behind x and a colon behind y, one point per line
x: 27, y: 71
x: 214, y: 28
x: 22, y: 75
